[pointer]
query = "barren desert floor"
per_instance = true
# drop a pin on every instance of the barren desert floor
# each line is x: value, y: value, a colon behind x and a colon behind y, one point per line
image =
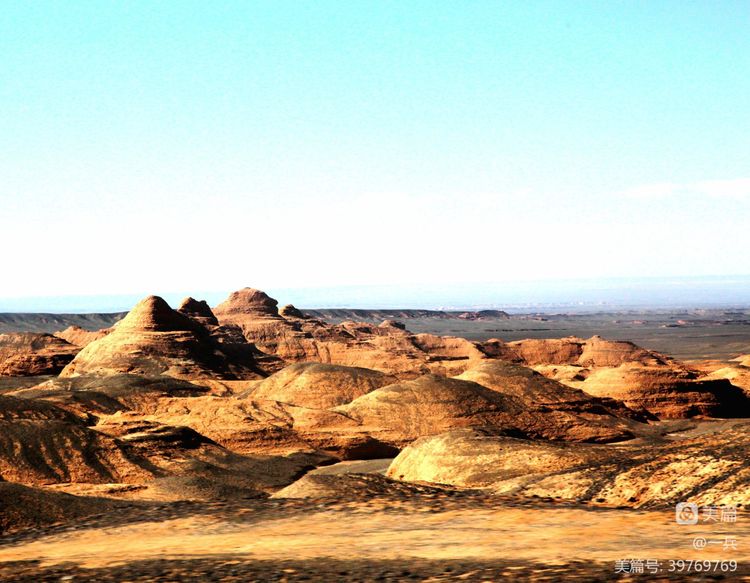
x: 465, y: 538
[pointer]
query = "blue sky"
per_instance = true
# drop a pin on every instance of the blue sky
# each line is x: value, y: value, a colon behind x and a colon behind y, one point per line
x: 152, y: 147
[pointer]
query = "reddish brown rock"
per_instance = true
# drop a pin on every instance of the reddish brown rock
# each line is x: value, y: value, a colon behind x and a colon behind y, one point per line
x: 247, y: 302
x: 402, y: 412
x: 537, y: 391
x: 238, y: 424
x: 153, y: 339
x: 669, y: 392
x: 257, y: 316
x: 389, y: 347
x: 704, y: 466
x: 594, y: 352
x: 198, y: 311
x: 85, y: 395
x: 42, y: 444
x: 289, y: 311
x: 319, y: 386
x: 23, y: 507
x: 28, y: 354
x: 80, y: 337
x: 737, y: 374
x: 192, y: 466
x: 295, y: 410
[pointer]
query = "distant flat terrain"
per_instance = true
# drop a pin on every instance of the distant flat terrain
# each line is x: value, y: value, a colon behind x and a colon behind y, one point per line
x: 44, y: 322
x: 36, y: 322
x: 685, y: 334
x: 694, y: 334
x: 360, y: 315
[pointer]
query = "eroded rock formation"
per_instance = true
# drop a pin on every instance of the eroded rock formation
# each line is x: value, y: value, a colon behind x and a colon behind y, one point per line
x: 537, y: 391
x: 402, y: 412
x: 198, y: 310
x: 669, y: 392
x: 153, y: 339
x: 42, y: 444
x: 594, y: 352
x: 388, y: 347
x: 704, y: 467
x: 242, y: 400
x: 29, y: 354
x: 80, y: 337
x: 320, y: 386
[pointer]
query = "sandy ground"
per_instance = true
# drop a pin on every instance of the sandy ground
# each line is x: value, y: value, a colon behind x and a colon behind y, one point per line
x: 536, y: 541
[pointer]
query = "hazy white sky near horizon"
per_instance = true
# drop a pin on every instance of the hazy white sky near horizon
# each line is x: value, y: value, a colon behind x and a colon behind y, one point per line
x: 150, y: 147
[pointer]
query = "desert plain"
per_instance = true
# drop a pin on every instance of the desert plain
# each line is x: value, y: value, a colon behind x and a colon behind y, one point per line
x: 252, y: 442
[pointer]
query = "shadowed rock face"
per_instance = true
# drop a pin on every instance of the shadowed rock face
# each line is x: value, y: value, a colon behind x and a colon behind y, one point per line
x: 198, y: 311
x: 300, y: 409
x: 248, y: 426
x: 28, y: 354
x: 25, y: 507
x: 15, y: 409
x: 240, y: 425
x: 41, y: 444
x: 289, y: 311
x: 153, y: 314
x: 320, y: 386
x: 737, y: 374
x: 710, y: 468
x: 256, y: 315
x: 289, y: 336
x: 536, y: 391
x: 643, y: 380
x: 668, y: 392
x: 153, y: 339
x: 152, y: 440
